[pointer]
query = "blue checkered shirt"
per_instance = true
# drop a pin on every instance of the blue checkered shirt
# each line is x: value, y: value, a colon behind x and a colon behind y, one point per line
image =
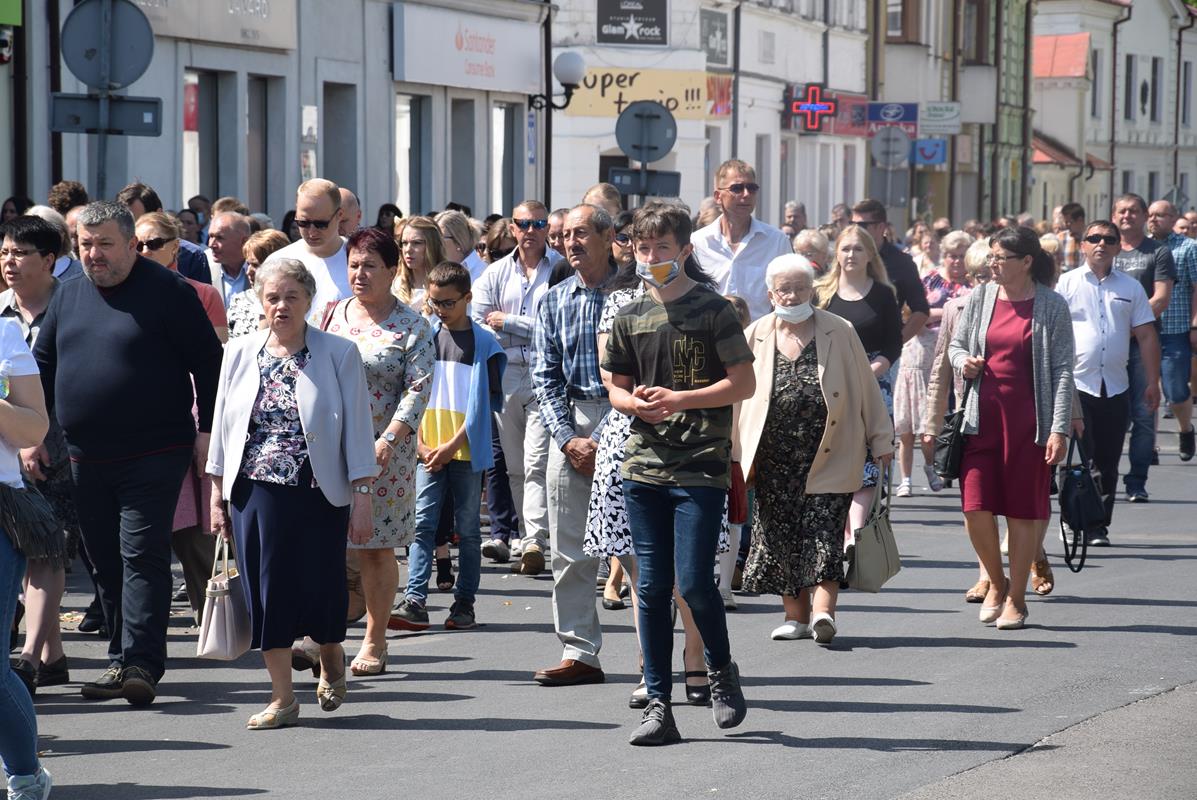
x: 565, y: 362
x: 1178, y: 316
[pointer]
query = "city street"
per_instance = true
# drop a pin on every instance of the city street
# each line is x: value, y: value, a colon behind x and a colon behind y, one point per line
x: 914, y: 698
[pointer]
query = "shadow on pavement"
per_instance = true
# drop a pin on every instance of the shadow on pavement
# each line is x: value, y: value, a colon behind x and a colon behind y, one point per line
x: 860, y: 707
x: 379, y: 722
x: 871, y: 743
x: 139, y: 791
x: 79, y: 747
x: 847, y: 644
x: 825, y: 680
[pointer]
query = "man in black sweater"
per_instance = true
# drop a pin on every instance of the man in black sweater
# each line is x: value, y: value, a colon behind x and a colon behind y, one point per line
x: 903, y: 274
x: 118, y: 353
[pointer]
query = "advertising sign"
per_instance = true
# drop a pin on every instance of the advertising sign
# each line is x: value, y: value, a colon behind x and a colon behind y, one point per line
x: 607, y: 92
x: 929, y: 152
x: 714, y: 33
x: 900, y: 115
x: 253, y: 23
x: 633, y: 22
x: 852, y: 116
x: 939, y: 119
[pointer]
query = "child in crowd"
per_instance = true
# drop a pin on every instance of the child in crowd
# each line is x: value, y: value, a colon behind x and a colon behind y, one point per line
x: 679, y: 361
x: 453, y: 446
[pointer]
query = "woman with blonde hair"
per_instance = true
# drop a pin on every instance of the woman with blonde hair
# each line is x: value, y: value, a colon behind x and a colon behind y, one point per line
x: 857, y: 288
x: 459, y: 239
x: 421, y: 248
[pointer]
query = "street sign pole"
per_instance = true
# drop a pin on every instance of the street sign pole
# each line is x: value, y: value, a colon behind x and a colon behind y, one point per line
x: 105, y: 69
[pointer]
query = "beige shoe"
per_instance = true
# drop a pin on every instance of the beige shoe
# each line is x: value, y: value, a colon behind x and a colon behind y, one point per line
x: 270, y: 718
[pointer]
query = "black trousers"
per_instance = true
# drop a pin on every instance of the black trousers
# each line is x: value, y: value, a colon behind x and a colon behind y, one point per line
x: 126, y: 510
x: 1106, y: 421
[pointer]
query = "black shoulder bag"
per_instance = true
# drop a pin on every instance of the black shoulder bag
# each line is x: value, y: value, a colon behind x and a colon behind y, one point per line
x: 1081, y: 506
x: 949, y: 443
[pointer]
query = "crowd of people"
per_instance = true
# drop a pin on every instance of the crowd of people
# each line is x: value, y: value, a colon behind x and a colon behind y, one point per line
x: 669, y: 406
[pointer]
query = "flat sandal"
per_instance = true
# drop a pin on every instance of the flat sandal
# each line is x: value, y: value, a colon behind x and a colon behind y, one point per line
x: 1042, y: 576
x: 271, y: 718
x: 978, y: 592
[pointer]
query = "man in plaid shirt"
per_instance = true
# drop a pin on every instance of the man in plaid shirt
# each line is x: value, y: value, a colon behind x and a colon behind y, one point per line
x: 1073, y: 215
x: 1178, y: 325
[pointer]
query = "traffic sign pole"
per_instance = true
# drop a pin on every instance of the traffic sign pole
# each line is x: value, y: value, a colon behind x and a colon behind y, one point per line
x: 105, y: 70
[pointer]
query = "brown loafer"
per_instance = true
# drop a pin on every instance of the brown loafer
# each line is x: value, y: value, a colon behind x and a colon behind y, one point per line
x: 569, y: 673
x: 978, y: 592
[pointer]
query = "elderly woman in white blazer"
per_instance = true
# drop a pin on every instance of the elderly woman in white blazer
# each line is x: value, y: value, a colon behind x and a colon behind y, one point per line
x: 292, y: 454
x: 801, y: 441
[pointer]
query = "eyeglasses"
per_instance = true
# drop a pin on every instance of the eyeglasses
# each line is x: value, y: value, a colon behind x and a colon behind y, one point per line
x: 1097, y: 238
x: 741, y: 188
x: 995, y: 259
x: 15, y: 253
x: 444, y: 305
x: 623, y: 238
x: 318, y: 224
x: 153, y: 245
x: 533, y: 224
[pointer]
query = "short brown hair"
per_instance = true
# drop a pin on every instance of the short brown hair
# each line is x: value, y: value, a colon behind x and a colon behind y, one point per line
x: 734, y: 165
x: 143, y: 194
x: 658, y: 218
x: 450, y: 274
x: 872, y: 208
x: 321, y: 186
x: 225, y: 204
x: 260, y: 245
x: 65, y: 195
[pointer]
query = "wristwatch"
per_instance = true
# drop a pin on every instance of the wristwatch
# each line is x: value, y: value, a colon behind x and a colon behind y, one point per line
x: 362, y: 488
x: 389, y: 437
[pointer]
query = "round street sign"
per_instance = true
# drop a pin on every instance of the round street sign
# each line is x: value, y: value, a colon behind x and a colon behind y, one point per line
x: 890, y: 146
x: 130, y: 43
x: 646, y: 131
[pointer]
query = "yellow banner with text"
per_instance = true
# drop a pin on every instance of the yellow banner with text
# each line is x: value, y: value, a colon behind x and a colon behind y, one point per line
x: 688, y: 94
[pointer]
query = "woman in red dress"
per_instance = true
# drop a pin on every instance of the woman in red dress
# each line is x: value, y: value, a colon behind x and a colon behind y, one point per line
x: 1014, y: 339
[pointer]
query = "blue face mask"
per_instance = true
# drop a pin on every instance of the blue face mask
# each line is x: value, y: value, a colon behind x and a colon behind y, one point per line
x: 659, y: 275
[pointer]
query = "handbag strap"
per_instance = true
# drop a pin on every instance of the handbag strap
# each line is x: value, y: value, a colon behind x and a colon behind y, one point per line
x: 877, y: 509
x: 221, y: 557
x: 1076, y: 550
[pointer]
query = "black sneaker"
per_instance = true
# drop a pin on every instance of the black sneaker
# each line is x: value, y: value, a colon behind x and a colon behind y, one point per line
x: 409, y: 616
x: 727, y: 699
x: 1099, y: 537
x: 1155, y: 457
x: 1188, y: 444
x: 1137, y: 496
x: 656, y: 726
x: 108, y: 686
x: 139, y: 687
x: 54, y: 674
x: 461, y: 615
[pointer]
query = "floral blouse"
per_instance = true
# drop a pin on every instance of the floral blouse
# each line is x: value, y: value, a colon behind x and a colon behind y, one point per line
x: 244, y: 313
x: 277, y: 450
x: 940, y: 291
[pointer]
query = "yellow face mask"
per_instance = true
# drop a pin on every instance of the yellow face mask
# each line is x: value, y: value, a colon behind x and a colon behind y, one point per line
x: 659, y: 275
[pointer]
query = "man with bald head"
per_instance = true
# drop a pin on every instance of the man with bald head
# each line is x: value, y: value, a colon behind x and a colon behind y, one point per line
x: 351, y: 213
x: 321, y: 248
x: 1178, y: 324
x: 226, y: 238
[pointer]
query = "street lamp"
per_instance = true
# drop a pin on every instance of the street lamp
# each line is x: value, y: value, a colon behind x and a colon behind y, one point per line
x: 569, y: 69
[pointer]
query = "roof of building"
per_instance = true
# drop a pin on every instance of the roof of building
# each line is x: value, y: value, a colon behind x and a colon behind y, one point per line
x: 1061, y: 56
x: 1047, y: 150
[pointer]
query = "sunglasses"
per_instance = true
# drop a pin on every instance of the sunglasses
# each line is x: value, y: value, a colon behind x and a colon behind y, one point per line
x: 318, y: 224
x: 443, y: 305
x: 741, y: 188
x: 1097, y: 238
x: 153, y: 245
x: 531, y: 224
x: 623, y: 238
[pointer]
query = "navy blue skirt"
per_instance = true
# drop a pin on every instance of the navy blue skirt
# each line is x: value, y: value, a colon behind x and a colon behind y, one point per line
x: 291, y: 552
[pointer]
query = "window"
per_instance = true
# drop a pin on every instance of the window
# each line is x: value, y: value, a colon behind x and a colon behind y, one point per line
x: 505, y: 156
x: 339, y: 137
x: 901, y: 20
x: 1153, y: 186
x: 413, y: 153
x: 1128, y: 88
x: 768, y: 48
x: 461, y: 151
x: 975, y: 33
x: 1128, y: 181
x: 1157, y: 89
x: 1182, y: 198
x: 256, y: 152
x: 1095, y: 86
x: 1186, y: 94
x: 201, y: 134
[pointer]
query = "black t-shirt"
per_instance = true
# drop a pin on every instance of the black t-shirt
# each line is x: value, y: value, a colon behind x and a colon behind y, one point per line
x: 904, y: 275
x: 1151, y: 261
x: 875, y: 318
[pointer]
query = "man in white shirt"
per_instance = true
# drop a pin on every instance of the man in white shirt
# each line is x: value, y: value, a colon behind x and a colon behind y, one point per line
x: 226, y: 239
x: 506, y: 298
x: 321, y: 248
x: 735, y: 249
x: 1108, y: 308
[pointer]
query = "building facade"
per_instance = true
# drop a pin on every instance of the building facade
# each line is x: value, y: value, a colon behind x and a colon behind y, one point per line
x: 1129, y: 120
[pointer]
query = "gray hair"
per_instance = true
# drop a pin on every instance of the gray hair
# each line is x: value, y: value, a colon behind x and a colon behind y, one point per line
x: 794, y: 205
x: 815, y: 240
x: 102, y: 211
x: 790, y: 262
x: 956, y: 239
x: 52, y: 216
x: 600, y: 220
x: 292, y: 268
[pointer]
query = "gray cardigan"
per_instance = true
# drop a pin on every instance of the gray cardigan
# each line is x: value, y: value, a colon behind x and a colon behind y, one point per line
x: 1052, y: 356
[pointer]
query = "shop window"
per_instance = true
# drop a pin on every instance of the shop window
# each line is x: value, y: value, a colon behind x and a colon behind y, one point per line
x: 339, y: 136
x: 413, y: 153
x: 462, y: 155
x: 201, y: 135
x: 505, y: 157
x: 255, y: 143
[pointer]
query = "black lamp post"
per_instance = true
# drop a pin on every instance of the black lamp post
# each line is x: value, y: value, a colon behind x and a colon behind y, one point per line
x: 569, y: 69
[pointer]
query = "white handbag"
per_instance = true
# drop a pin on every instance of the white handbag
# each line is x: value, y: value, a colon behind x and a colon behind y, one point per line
x: 224, y: 626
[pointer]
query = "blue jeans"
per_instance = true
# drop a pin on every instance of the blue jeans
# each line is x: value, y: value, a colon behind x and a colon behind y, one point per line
x: 675, y: 530
x: 1176, y: 365
x: 466, y: 486
x: 18, y: 728
x: 1142, y: 432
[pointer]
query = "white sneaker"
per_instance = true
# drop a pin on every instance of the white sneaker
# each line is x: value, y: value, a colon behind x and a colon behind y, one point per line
x: 517, y: 548
x: 791, y: 629
x: 496, y: 550
x: 823, y: 627
x: 729, y: 601
x: 934, y: 482
x: 30, y: 787
x: 904, y: 488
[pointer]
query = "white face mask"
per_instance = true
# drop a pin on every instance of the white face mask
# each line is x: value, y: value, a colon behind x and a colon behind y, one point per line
x: 800, y: 312
x: 659, y: 275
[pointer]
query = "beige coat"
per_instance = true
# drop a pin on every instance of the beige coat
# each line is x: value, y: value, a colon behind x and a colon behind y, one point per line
x: 856, y: 413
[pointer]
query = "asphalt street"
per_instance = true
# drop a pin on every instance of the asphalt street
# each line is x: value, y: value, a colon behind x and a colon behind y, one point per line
x: 914, y: 698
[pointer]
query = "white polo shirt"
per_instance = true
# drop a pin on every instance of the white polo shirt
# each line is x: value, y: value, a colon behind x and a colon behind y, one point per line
x: 741, y: 272
x: 1103, y: 314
